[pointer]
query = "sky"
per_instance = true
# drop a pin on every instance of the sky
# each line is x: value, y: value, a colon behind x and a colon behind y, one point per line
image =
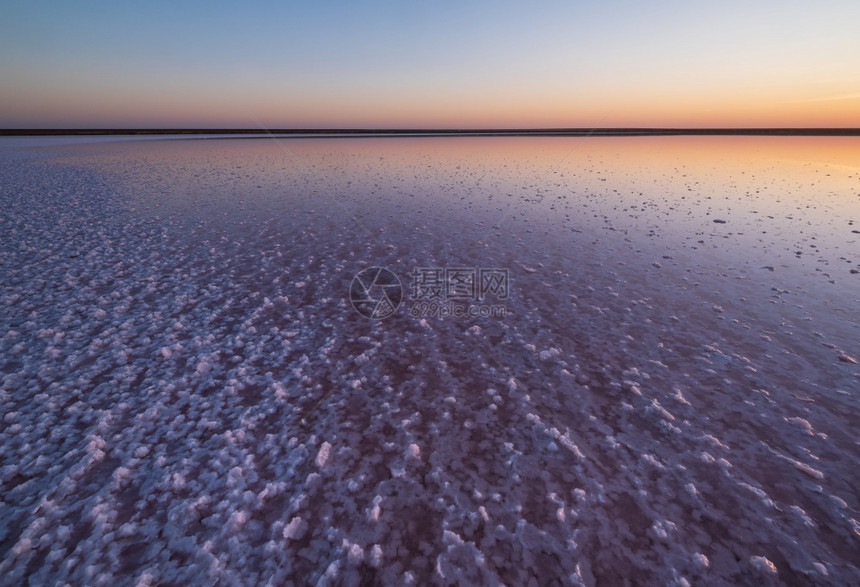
x: 442, y: 64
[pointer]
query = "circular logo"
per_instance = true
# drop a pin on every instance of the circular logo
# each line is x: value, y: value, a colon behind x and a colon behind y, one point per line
x: 375, y: 293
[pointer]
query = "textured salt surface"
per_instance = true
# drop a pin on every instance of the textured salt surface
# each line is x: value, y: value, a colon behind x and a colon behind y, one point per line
x: 188, y: 397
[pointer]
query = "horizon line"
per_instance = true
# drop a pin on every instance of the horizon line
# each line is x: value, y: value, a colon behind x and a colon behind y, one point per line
x: 561, y: 131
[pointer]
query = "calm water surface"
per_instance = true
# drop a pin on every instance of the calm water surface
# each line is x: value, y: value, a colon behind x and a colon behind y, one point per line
x: 670, y: 393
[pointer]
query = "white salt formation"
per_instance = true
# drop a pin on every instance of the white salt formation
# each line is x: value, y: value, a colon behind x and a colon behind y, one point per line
x: 188, y: 397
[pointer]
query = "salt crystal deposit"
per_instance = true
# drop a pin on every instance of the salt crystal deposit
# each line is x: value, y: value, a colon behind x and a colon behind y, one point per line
x: 188, y: 396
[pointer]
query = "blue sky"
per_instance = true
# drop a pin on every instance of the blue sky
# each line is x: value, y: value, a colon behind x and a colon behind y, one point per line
x: 443, y: 64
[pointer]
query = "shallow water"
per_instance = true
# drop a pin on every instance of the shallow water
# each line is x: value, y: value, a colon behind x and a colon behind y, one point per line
x: 671, y: 394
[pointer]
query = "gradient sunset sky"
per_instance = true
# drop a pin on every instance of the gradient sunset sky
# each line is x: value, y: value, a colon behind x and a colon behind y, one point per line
x: 441, y: 64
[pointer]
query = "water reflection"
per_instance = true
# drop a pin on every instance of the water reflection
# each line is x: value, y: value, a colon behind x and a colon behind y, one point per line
x: 670, y: 393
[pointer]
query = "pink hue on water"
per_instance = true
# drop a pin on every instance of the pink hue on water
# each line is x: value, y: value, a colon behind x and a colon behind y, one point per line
x: 671, y: 397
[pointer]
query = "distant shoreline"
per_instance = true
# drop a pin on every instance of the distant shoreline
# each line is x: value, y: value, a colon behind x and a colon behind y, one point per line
x: 367, y: 132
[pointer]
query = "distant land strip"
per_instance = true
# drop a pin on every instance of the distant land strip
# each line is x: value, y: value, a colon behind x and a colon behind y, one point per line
x: 346, y: 132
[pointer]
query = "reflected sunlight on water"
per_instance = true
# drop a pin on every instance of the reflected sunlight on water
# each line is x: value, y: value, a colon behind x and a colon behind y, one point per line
x: 671, y: 393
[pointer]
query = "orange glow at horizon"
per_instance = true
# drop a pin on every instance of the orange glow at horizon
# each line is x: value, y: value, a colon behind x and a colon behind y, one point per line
x: 558, y: 65
x: 511, y: 110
